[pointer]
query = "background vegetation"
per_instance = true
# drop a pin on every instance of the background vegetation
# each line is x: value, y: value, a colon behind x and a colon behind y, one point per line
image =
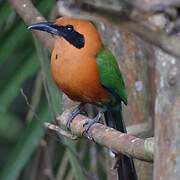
x: 26, y: 150
x: 29, y: 97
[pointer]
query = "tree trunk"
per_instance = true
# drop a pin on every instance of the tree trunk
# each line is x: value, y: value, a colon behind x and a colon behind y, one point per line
x: 167, y: 118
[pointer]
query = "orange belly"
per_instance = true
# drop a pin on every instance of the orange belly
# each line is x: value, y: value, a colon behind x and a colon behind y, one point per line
x: 78, y: 77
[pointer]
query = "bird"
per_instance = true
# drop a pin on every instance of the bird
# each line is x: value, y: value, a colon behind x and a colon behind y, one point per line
x: 85, y: 69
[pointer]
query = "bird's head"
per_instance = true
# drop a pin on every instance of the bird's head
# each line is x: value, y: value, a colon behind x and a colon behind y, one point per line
x: 78, y: 33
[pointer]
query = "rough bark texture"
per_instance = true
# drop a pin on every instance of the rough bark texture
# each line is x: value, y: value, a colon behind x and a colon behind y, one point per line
x: 153, y: 5
x: 114, y: 140
x: 167, y: 121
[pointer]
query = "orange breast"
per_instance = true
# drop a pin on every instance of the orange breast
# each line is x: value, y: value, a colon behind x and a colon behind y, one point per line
x: 76, y: 74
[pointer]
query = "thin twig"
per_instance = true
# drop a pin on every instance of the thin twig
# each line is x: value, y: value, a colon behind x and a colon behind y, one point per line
x: 36, y: 95
x: 29, y: 105
x: 53, y: 127
x: 60, y: 131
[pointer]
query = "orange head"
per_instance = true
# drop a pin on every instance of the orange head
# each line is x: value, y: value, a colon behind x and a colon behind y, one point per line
x: 81, y: 35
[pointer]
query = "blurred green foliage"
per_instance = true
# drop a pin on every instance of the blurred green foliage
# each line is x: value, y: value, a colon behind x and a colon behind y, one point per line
x: 28, y: 98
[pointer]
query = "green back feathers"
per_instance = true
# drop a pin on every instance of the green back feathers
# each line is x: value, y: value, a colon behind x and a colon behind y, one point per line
x: 110, y: 75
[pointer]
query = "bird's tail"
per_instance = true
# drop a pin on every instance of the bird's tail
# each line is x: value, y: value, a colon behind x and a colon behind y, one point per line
x: 125, y: 164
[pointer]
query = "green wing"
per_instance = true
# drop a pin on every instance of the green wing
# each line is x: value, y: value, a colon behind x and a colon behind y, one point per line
x: 110, y: 75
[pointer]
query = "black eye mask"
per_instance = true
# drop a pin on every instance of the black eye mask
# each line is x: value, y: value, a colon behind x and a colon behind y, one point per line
x: 73, y: 37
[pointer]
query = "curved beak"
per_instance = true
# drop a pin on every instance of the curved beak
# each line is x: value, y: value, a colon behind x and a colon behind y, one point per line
x: 48, y: 27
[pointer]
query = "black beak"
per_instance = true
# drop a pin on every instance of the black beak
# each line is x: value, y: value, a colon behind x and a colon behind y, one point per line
x: 48, y: 27
x: 69, y: 34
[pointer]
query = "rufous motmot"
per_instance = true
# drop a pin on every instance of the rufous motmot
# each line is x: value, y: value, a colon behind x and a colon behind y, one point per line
x: 86, y: 70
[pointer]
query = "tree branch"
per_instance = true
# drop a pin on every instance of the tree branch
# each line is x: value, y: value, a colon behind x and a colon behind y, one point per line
x: 116, y: 141
x: 131, y: 21
x: 30, y: 15
x: 153, y: 5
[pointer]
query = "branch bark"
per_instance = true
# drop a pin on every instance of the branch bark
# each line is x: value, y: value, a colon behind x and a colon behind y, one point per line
x: 153, y: 5
x: 114, y: 140
x: 30, y: 15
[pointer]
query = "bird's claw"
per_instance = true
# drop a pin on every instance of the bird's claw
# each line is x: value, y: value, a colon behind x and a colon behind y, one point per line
x: 77, y: 110
x: 87, y: 125
x: 70, y: 118
x: 89, y: 122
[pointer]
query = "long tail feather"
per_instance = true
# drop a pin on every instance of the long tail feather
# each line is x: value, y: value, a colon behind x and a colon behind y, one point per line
x: 125, y: 164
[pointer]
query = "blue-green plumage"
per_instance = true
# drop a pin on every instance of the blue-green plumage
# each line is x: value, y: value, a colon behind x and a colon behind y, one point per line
x: 111, y: 79
x: 110, y: 75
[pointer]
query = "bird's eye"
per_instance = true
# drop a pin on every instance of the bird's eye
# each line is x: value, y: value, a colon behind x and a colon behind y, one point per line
x: 69, y: 28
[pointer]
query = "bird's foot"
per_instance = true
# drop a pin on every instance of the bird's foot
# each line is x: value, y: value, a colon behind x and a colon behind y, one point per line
x: 77, y: 110
x: 89, y: 122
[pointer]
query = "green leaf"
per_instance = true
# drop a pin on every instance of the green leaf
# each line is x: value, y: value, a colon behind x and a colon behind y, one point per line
x: 5, y: 10
x: 13, y: 86
x: 9, y: 121
x: 18, y: 36
x: 76, y: 167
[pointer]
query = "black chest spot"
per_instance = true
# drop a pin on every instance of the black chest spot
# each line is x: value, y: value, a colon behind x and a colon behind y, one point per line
x: 56, y: 57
